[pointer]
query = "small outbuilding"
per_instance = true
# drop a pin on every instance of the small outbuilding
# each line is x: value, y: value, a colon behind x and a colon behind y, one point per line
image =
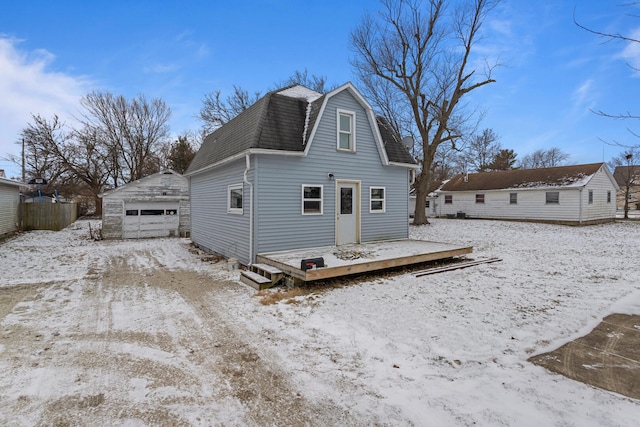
x: 9, y: 206
x: 154, y: 206
x: 576, y: 195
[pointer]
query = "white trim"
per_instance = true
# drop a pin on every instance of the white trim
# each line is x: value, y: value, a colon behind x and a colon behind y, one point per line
x: 230, y: 188
x: 383, y: 200
x: 352, y: 116
x: 357, y: 198
x: 368, y: 111
x: 321, y: 199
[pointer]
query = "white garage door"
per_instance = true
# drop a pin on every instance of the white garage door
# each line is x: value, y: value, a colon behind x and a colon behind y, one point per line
x: 150, y: 219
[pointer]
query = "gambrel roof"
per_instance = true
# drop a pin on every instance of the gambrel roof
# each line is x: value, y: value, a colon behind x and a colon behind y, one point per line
x: 560, y: 176
x: 284, y: 121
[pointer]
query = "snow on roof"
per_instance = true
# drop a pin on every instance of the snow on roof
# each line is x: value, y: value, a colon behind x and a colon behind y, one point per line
x: 299, y: 91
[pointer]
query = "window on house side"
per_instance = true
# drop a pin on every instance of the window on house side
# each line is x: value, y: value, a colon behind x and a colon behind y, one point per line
x: 590, y: 197
x: 448, y: 199
x: 513, y: 198
x: 608, y: 196
x: 234, y: 199
x: 377, y: 200
x: 552, y: 197
x: 312, y: 199
x: 346, y: 131
x: 479, y: 198
x: 427, y: 204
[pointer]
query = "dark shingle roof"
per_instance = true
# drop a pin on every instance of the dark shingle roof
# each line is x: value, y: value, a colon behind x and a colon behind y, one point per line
x: 624, y: 174
x: 561, y: 176
x: 275, y: 122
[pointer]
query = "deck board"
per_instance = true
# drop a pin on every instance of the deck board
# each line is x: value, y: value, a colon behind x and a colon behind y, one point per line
x: 369, y: 257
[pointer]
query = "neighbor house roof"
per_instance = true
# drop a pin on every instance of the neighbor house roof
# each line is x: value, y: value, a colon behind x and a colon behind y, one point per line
x: 6, y: 181
x: 112, y: 191
x: 282, y: 120
x: 626, y: 174
x: 561, y: 176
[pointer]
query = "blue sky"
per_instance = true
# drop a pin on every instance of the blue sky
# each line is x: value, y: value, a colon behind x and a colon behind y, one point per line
x: 53, y: 53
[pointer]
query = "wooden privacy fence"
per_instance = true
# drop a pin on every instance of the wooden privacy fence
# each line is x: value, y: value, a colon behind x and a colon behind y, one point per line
x: 48, y: 216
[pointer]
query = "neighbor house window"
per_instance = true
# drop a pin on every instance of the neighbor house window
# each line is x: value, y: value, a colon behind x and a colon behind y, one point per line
x: 479, y: 198
x: 448, y: 199
x: 590, y: 196
x: 427, y: 204
x: 513, y: 198
x: 346, y: 131
x: 377, y: 200
x: 552, y: 197
x: 312, y: 200
x: 234, y: 199
x: 608, y: 196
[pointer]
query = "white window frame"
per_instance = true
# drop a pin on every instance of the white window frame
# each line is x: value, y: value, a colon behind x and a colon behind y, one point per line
x: 513, y: 198
x: 230, y: 188
x: 480, y: 198
x: 321, y: 199
x: 352, y: 116
x: 383, y: 200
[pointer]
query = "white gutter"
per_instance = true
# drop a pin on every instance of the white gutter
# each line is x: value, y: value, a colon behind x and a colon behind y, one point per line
x: 246, y: 171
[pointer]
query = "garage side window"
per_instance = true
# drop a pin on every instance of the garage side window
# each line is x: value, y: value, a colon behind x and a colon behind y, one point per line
x: 234, y: 199
x: 131, y: 212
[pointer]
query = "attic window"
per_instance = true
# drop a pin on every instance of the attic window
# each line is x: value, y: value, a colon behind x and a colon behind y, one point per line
x: 346, y: 131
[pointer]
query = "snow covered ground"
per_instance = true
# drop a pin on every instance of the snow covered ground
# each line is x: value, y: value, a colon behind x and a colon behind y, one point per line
x: 446, y: 349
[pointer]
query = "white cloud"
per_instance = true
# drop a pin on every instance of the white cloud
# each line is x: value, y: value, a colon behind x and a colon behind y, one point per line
x: 28, y: 86
x: 582, y: 93
x: 631, y: 52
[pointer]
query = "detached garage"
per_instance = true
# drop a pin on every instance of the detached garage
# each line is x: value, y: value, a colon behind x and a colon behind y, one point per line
x: 154, y: 206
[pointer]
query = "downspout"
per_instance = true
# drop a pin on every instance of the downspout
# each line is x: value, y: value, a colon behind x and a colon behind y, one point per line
x: 246, y: 171
x: 580, y: 218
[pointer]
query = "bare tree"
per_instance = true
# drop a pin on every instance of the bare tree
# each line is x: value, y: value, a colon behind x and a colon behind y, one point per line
x: 422, y: 54
x: 544, y: 159
x: 617, y: 37
x: 480, y: 150
x: 217, y: 111
x: 626, y: 171
x: 131, y: 131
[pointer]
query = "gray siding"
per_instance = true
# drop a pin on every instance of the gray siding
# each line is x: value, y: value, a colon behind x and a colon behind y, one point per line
x: 280, y: 224
x: 212, y: 227
x: 9, y: 202
x: 154, y: 188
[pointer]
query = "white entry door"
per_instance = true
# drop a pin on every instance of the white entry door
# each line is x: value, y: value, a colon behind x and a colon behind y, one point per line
x: 348, y: 210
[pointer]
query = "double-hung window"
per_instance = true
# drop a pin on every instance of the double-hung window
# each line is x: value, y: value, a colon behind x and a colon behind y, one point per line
x: 312, y: 199
x: 377, y: 203
x: 552, y: 197
x: 513, y: 198
x: 479, y: 198
x: 448, y: 199
x: 590, y: 197
x: 346, y: 130
x: 234, y: 199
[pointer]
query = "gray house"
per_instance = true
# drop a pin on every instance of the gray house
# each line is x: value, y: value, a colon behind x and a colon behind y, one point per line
x: 9, y: 205
x: 154, y: 206
x: 299, y: 169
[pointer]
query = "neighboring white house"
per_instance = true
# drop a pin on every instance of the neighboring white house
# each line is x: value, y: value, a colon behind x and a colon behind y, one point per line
x: 580, y: 195
x: 9, y: 206
x: 430, y: 206
x: 154, y: 206
x: 299, y: 169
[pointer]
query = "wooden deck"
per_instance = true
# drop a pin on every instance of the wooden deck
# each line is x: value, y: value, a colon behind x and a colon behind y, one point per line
x: 353, y: 259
